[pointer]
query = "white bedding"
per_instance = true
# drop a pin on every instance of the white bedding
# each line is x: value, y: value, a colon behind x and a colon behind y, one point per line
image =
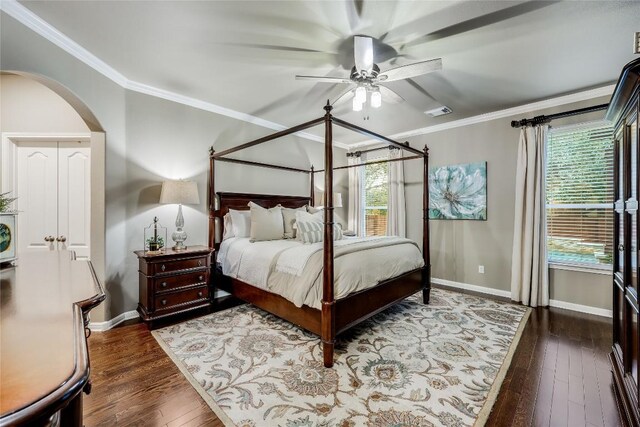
x: 293, y: 270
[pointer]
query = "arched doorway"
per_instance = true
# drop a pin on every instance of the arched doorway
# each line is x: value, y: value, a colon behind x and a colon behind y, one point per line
x: 37, y: 111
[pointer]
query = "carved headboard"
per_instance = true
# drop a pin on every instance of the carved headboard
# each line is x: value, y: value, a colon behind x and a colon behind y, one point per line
x: 239, y: 201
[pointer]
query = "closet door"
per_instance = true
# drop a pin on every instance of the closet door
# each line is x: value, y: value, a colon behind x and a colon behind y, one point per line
x: 74, y: 197
x: 36, y: 183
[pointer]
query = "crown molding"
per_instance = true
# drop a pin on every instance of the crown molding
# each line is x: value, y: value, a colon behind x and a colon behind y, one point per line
x: 32, y: 21
x: 217, y: 109
x: 522, y: 109
x: 29, y: 19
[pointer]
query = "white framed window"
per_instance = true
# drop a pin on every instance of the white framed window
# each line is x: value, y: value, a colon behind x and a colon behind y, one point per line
x: 579, y: 196
x: 375, y: 197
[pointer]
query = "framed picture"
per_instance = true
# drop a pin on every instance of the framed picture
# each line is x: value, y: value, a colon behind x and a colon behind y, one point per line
x: 8, y: 237
x: 458, y: 191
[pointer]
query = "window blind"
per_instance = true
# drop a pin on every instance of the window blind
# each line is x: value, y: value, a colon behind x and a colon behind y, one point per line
x: 579, y: 195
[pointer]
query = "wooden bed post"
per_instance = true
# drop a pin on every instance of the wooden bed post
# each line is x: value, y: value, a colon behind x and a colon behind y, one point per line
x: 327, y: 320
x: 313, y: 186
x: 212, y: 200
x: 426, y: 250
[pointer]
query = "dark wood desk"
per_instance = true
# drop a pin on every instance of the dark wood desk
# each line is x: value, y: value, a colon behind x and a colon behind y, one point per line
x: 44, y: 363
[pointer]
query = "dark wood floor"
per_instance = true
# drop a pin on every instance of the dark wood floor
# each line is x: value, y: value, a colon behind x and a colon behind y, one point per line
x: 559, y: 376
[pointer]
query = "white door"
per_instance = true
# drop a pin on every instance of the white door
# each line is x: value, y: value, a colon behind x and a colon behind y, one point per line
x: 54, y: 196
x: 37, y: 192
x: 74, y: 197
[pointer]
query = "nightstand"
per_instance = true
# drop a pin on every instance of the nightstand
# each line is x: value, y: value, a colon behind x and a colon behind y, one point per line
x: 173, y: 282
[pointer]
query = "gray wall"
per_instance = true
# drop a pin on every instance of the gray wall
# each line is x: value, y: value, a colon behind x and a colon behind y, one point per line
x: 459, y: 247
x: 148, y: 140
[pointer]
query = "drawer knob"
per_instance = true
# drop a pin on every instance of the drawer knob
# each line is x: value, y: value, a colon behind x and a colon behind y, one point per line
x: 163, y: 284
x: 621, y: 247
x: 200, y: 293
x: 162, y: 267
x: 163, y: 302
x: 199, y: 263
x: 201, y: 277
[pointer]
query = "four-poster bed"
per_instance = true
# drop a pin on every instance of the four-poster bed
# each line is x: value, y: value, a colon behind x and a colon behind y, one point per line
x: 334, y: 315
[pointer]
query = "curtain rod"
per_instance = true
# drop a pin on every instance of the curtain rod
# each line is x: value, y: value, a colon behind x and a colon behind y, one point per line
x: 545, y: 119
x: 361, y: 152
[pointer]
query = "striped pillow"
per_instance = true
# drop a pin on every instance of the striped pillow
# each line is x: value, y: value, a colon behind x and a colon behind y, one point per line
x: 313, y: 231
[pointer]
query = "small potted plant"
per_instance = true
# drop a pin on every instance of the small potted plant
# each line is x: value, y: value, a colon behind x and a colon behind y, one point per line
x: 5, y: 203
x: 155, y: 244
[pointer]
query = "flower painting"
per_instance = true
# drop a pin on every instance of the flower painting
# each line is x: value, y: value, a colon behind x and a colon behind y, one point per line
x: 458, y: 191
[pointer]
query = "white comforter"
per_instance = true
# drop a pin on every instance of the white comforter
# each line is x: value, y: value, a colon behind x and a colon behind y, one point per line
x: 294, y: 270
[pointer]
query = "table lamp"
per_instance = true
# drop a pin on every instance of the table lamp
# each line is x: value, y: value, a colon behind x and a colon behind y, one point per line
x: 337, y: 200
x: 180, y: 193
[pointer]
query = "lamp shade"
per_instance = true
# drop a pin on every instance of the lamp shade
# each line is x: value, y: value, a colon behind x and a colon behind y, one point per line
x: 179, y: 192
x: 337, y: 199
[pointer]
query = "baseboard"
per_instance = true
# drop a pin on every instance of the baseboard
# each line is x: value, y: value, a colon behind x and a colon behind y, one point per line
x: 474, y: 288
x: 105, y: 326
x: 507, y: 294
x: 581, y: 308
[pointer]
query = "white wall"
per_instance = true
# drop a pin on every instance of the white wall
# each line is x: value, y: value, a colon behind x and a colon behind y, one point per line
x: 148, y: 140
x: 28, y: 106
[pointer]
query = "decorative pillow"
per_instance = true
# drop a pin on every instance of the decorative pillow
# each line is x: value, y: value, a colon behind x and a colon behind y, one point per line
x: 312, y: 209
x: 289, y: 216
x: 241, y: 222
x: 266, y: 224
x: 313, y: 231
x: 336, y: 218
x: 318, y: 216
x: 228, y: 227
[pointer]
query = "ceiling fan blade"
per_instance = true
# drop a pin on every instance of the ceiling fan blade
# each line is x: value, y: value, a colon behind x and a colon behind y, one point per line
x: 354, y: 13
x: 363, y: 53
x: 390, y: 96
x: 344, y: 97
x: 322, y: 79
x: 481, y: 21
x: 410, y: 70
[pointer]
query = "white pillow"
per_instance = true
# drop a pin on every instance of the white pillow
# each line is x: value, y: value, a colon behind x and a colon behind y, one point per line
x: 313, y: 231
x: 289, y: 217
x: 266, y: 224
x: 241, y: 221
x: 318, y: 216
x: 336, y: 218
x: 228, y: 227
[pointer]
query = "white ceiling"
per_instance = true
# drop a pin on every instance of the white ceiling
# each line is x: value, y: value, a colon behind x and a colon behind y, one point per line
x: 244, y: 55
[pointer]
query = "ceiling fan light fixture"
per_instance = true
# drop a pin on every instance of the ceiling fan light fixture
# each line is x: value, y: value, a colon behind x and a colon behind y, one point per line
x: 361, y: 94
x: 357, y: 105
x: 376, y: 98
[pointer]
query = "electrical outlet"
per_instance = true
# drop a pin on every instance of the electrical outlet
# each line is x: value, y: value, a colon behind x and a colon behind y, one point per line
x: 481, y: 269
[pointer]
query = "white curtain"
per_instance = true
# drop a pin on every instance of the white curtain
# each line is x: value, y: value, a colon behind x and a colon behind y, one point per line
x: 529, y: 269
x: 396, y: 208
x: 355, y: 220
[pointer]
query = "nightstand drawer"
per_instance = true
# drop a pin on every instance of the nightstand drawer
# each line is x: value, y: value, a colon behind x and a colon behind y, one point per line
x: 177, y: 265
x: 179, y: 299
x: 182, y: 280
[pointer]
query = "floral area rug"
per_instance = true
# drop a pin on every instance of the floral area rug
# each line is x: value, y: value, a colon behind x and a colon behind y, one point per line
x: 412, y: 365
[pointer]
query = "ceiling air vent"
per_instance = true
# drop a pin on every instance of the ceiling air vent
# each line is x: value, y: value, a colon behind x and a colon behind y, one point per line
x: 440, y: 111
x: 636, y: 43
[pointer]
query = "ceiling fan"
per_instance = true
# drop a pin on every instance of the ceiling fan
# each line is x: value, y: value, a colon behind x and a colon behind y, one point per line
x: 368, y: 78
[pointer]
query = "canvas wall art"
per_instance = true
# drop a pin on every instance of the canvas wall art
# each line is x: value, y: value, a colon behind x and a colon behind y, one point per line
x: 8, y: 237
x: 458, y: 191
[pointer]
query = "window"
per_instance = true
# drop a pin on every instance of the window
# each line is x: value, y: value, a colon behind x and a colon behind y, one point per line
x: 376, y: 195
x: 579, y: 195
